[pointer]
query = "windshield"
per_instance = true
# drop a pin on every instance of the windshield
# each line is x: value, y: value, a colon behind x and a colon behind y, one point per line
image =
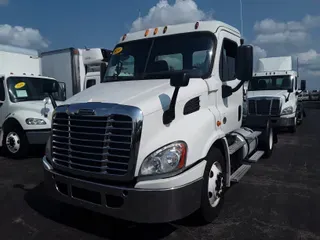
x: 157, y: 58
x: 270, y: 83
x: 29, y: 89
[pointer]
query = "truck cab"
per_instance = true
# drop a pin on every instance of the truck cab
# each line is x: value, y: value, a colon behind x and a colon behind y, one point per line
x: 162, y: 136
x: 273, y: 92
x: 23, y: 118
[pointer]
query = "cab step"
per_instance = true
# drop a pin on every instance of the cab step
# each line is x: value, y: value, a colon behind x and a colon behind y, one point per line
x: 240, y: 172
x: 256, y: 156
x: 239, y: 144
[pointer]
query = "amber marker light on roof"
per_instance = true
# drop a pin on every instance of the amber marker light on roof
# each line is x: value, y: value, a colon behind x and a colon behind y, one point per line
x: 155, y: 31
x: 165, y: 29
x: 196, y: 25
x: 146, y: 33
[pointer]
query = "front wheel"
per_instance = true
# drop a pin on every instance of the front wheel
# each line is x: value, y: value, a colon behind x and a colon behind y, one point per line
x: 15, y: 143
x: 300, y: 118
x: 266, y: 140
x: 293, y: 128
x: 213, y: 187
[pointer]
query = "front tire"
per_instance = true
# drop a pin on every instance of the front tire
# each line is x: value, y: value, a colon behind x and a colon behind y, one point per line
x: 293, y: 129
x: 266, y: 140
x: 213, y: 187
x: 15, y: 143
x: 300, y: 118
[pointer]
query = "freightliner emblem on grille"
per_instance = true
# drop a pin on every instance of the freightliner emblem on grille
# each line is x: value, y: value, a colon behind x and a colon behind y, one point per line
x: 85, y: 112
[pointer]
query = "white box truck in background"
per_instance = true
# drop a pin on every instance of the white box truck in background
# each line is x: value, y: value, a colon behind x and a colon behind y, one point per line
x: 23, y: 119
x: 273, y: 91
x: 77, y: 68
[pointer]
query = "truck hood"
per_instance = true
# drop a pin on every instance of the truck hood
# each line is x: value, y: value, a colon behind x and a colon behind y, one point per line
x: 35, y: 106
x: 268, y: 93
x: 148, y: 95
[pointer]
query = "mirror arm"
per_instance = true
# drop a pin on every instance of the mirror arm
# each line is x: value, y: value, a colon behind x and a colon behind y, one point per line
x: 169, y: 115
x: 238, y: 86
x: 287, y: 99
x: 53, y: 102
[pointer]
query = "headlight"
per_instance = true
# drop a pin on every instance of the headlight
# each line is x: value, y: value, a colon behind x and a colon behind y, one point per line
x: 287, y: 110
x: 35, y: 121
x: 167, y: 159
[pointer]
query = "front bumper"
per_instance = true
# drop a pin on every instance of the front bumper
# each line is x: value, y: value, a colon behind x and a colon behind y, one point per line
x: 132, y: 204
x: 38, y: 136
x: 276, y: 121
x: 283, y: 122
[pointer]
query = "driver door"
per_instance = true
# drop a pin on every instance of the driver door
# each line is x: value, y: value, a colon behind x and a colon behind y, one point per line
x: 2, y: 99
x: 230, y: 107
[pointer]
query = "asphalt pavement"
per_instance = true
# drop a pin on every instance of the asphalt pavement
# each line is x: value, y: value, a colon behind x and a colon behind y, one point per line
x: 278, y: 199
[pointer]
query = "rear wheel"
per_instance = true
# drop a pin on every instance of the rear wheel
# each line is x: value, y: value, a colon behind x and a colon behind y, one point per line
x: 213, y: 187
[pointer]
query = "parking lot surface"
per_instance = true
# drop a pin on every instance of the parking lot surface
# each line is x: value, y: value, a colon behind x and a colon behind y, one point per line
x: 278, y: 199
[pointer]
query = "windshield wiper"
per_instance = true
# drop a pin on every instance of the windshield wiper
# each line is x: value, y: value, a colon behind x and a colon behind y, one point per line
x: 118, y: 78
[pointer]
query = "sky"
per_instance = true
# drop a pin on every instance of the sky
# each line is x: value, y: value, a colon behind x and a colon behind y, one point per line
x: 273, y: 27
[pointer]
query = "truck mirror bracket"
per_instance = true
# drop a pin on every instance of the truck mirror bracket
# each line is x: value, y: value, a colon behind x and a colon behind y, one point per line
x: 169, y: 115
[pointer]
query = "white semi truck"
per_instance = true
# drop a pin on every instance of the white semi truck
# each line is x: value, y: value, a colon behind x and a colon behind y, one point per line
x: 23, y: 119
x: 273, y: 91
x: 162, y: 136
x: 79, y: 69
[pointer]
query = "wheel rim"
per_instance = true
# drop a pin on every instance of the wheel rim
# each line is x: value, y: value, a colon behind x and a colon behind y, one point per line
x: 215, y: 184
x: 271, y: 139
x: 13, y: 142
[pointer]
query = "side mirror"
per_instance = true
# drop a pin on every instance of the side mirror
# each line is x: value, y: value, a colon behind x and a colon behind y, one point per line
x: 226, y: 91
x: 303, y: 85
x: 180, y: 80
x: 51, y: 87
x: 177, y: 80
x: 244, y: 62
x: 103, y: 69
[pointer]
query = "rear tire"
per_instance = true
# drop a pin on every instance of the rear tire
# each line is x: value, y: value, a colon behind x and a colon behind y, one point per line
x: 213, y: 187
x: 15, y: 143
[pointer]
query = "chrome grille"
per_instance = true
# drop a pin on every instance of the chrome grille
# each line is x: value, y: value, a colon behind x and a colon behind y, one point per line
x: 100, y: 146
x: 264, y: 107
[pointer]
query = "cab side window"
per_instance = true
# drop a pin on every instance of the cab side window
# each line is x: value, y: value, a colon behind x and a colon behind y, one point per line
x: 2, y: 92
x: 227, y: 69
x: 90, y: 83
x: 296, y: 83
